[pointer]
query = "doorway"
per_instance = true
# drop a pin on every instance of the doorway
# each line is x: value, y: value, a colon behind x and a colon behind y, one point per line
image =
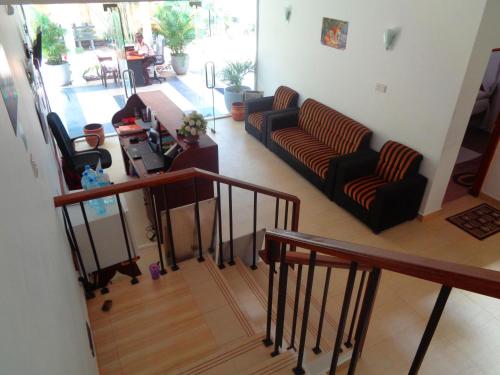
x: 473, y: 158
x: 96, y: 37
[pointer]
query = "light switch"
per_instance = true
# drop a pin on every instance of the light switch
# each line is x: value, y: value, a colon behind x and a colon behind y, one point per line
x: 380, y: 87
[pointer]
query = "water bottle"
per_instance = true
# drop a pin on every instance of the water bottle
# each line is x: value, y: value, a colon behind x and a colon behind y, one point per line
x: 84, y: 180
x: 102, y: 179
x: 97, y: 204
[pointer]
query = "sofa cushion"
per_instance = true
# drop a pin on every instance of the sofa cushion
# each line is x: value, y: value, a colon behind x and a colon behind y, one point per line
x: 283, y: 98
x: 396, y: 160
x: 256, y: 119
x: 305, y: 148
x: 332, y: 128
x: 363, y: 190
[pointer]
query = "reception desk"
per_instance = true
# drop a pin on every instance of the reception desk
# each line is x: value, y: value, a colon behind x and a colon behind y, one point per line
x: 134, y: 63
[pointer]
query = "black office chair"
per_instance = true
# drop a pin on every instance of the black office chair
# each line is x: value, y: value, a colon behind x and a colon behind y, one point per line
x: 159, y: 58
x: 73, y: 161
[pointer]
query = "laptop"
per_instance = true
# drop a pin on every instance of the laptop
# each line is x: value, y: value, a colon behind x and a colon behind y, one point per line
x: 153, y: 162
x: 138, y: 150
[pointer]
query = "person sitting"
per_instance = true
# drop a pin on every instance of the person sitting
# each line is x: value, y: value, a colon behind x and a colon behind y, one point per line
x: 142, y: 49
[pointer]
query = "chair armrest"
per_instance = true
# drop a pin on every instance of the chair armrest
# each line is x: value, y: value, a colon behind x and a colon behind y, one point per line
x: 365, y: 157
x: 259, y: 104
x: 88, y: 135
x: 351, y: 167
x: 283, y: 119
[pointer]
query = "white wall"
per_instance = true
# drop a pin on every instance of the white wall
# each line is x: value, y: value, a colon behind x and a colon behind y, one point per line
x: 424, y: 71
x: 491, y: 184
x: 42, y: 312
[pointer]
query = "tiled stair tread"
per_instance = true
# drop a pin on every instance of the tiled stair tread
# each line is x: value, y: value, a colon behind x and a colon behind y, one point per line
x: 281, y: 364
x: 233, y: 358
x: 329, y: 323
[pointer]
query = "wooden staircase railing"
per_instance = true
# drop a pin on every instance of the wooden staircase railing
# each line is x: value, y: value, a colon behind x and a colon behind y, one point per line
x: 322, y: 251
x: 160, y: 183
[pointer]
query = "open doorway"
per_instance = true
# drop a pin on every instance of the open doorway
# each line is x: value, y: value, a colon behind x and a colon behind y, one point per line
x: 472, y: 160
x: 93, y: 39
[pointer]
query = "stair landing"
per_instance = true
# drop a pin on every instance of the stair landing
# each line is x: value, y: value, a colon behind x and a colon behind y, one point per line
x: 155, y: 327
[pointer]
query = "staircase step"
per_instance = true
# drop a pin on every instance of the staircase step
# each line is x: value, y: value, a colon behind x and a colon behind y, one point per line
x: 282, y: 364
x: 233, y: 358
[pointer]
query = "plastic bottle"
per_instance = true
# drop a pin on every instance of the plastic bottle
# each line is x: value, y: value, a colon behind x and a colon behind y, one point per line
x: 103, y: 180
x: 97, y: 204
x: 85, y: 180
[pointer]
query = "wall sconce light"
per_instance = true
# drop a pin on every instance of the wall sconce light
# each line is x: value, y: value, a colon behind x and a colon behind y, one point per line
x: 390, y: 36
x: 288, y: 13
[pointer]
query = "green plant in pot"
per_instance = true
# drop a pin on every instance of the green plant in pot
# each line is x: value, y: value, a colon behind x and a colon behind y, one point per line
x: 53, y: 49
x: 177, y: 27
x: 233, y: 75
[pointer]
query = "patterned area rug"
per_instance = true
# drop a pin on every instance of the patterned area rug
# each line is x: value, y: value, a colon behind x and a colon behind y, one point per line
x: 481, y: 221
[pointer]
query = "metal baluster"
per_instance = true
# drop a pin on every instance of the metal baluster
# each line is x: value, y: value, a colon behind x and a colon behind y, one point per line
x: 285, y: 224
x: 276, y: 212
x: 280, y: 315
x: 254, y: 235
x: 299, y: 370
x: 104, y: 289
x: 157, y: 225
x: 219, y: 218
x: 231, y: 244
x: 296, y: 307
x: 317, y: 348
x: 271, y: 249
x: 343, y: 316
x: 89, y: 293
x: 364, y: 318
x: 124, y: 228
x: 348, y: 343
x: 432, y: 324
x: 170, y: 233
x: 198, y: 224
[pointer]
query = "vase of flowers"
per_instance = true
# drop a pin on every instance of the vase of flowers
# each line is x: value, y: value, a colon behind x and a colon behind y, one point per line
x: 193, y: 125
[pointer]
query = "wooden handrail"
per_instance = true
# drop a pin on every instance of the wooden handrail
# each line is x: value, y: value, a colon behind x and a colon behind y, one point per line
x: 473, y: 279
x: 169, y: 178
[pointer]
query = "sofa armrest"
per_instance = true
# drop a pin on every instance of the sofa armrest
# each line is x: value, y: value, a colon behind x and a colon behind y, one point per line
x: 396, y: 202
x: 258, y: 105
x: 363, y: 157
x: 350, y: 167
x: 283, y: 119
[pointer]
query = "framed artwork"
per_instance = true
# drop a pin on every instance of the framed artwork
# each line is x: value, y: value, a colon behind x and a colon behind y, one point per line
x: 7, y: 89
x: 334, y: 33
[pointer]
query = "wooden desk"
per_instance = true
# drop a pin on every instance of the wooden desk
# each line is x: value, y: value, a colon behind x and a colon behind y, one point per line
x: 203, y: 154
x: 134, y: 63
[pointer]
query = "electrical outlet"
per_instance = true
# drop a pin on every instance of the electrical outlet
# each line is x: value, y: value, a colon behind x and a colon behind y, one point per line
x: 380, y: 87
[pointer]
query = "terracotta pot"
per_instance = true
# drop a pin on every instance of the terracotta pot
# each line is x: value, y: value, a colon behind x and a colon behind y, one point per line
x: 94, y: 129
x: 238, y: 111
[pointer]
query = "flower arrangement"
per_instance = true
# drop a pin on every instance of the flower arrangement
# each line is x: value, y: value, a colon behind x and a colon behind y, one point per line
x: 193, y: 125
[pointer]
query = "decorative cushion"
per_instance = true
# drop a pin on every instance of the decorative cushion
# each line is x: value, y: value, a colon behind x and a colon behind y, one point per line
x: 283, y: 98
x: 363, y: 189
x: 256, y: 119
x: 332, y: 128
x: 307, y: 149
x: 395, y: 160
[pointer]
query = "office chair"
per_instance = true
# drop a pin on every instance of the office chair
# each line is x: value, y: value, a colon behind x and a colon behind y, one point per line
x: 159, y: 58
x: 73, y: 162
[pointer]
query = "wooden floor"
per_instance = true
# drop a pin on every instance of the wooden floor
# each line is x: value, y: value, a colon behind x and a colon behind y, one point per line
x: 468, y: 338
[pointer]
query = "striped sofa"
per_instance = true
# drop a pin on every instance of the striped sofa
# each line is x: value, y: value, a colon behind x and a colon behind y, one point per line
x: 382, y: 189
x: 314, y: 139
x: 258, y: 111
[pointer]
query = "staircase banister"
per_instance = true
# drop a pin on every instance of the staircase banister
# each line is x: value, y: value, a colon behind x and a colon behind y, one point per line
x: 164, y: 179
x: 473, y: 279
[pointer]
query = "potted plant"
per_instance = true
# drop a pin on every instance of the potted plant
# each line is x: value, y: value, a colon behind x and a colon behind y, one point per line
x: 176, y: 26
x: 56, y: 68
x: 233, y: 75
x: 193, y: 125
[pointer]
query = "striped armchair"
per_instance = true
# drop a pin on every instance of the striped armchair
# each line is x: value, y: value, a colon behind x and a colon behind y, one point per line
x: 315, y: 139
x: 382, y: 189
x: 258, y: 111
